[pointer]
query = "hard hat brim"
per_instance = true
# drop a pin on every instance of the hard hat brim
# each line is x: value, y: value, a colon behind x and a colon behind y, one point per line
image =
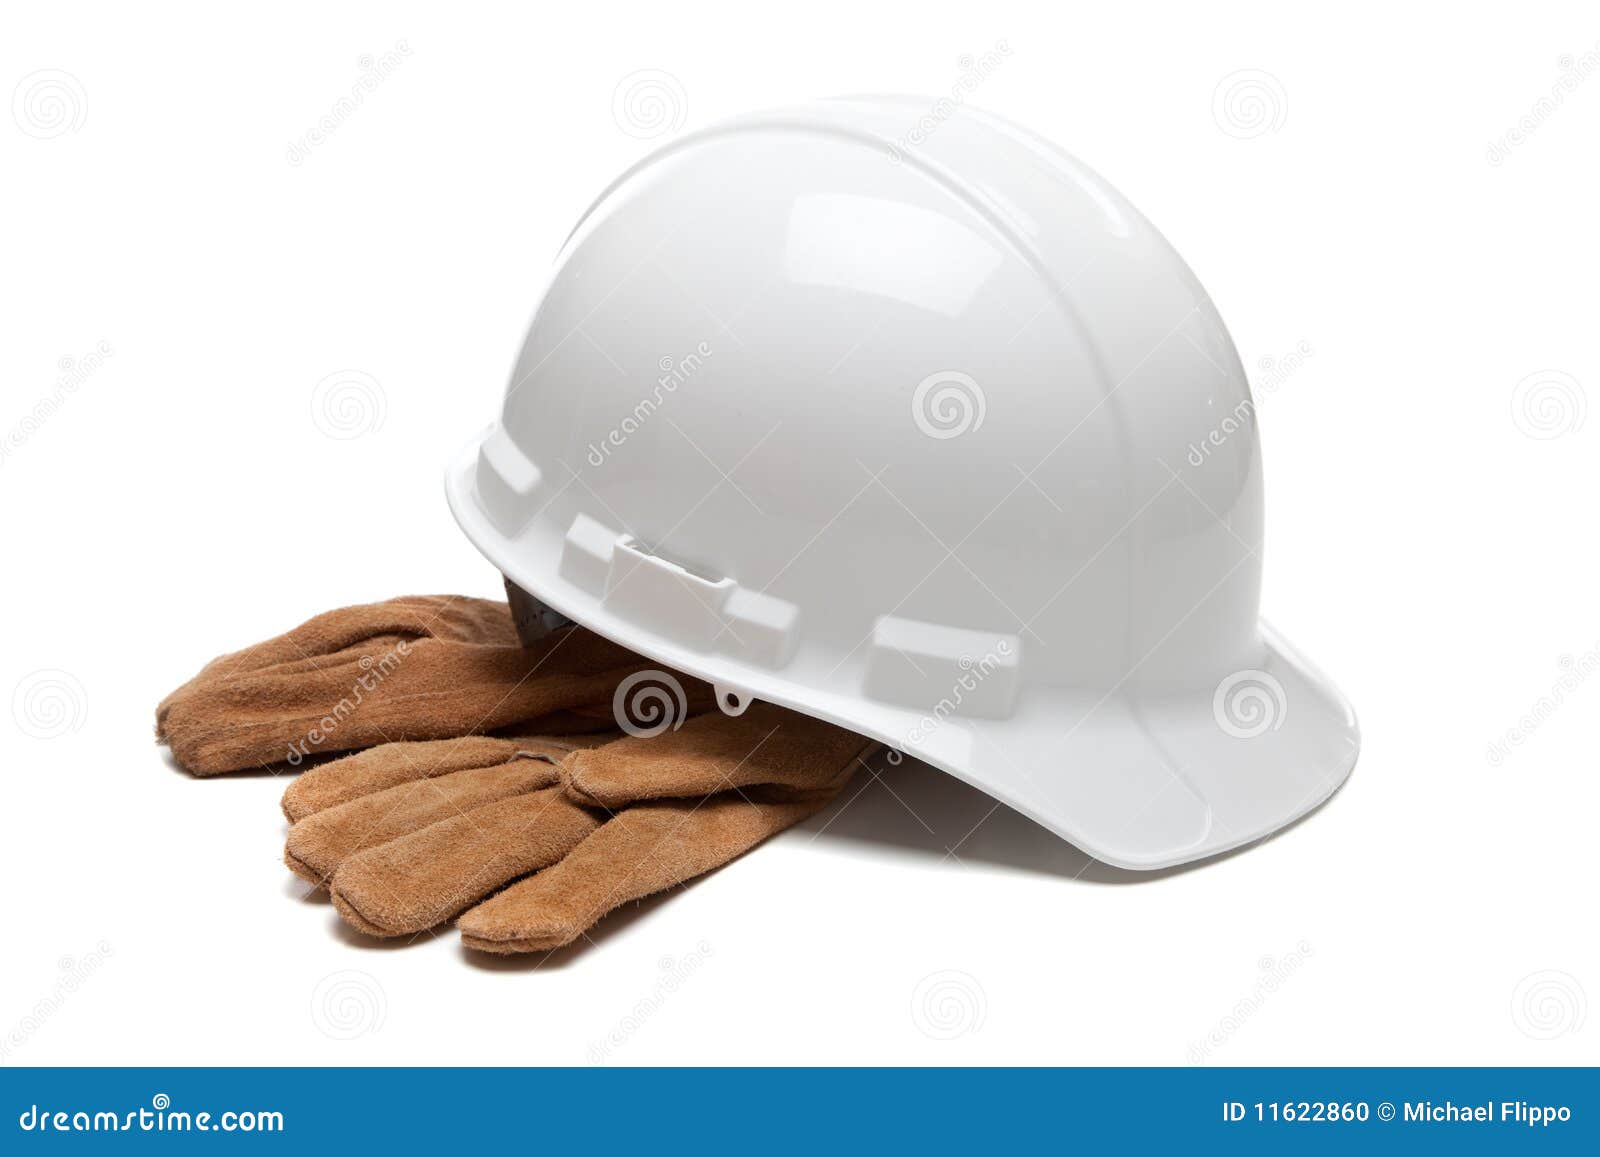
x: 1141, y: 779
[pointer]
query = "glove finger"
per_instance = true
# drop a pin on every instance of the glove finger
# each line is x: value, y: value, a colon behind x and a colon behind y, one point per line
x: 639, y: 852
x: 291, y: 711
x: 318, y: 844
x: 715, y: 752
x: 430, y: 875
x: 306, y: 667
x: 427, y: 689
x: 389, y: 764
x: 453, y: 617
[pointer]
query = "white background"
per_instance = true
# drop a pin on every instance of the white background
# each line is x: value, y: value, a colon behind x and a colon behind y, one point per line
x: 1430, y: 542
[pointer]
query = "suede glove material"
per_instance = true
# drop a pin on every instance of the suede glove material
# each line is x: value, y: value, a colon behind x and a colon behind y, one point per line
x: 416, y: 668
x: 530, y: 841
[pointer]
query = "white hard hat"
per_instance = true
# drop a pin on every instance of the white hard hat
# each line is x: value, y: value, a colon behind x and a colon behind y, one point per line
x: 899, y: 416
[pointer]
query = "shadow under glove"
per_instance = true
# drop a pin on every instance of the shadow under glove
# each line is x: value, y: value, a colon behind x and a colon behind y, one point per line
x: 408, y: 836
x: 421, y: 667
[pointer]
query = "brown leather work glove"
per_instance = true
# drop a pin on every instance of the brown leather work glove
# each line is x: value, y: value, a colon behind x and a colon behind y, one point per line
x: 556, y: 831
x: 422, y: 667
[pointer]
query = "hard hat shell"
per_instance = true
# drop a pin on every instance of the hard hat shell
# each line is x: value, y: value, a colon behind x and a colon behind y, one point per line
x: 934, y: 438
